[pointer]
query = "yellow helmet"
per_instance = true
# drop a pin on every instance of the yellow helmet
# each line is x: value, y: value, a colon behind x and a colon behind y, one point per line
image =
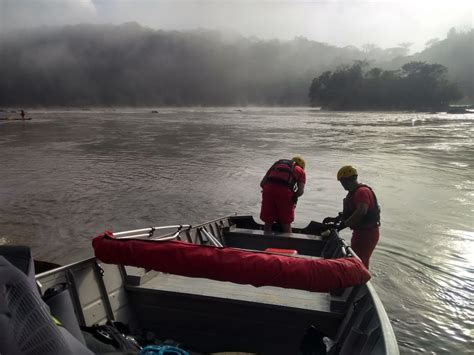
x: 299, y: 161
x: 346, y: 171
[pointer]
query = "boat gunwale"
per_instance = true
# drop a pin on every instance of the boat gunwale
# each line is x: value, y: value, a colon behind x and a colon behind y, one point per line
x: 93, y: 258
x: 387, y: 332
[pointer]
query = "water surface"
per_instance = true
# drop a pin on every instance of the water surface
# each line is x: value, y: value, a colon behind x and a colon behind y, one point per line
x: 68, y: 175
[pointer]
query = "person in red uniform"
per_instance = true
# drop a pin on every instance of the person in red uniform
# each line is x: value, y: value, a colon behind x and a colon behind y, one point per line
x: 361, y: 213
x: 281, y: 186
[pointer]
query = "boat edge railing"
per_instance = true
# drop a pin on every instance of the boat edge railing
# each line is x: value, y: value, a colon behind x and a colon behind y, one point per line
x: 390, y: 340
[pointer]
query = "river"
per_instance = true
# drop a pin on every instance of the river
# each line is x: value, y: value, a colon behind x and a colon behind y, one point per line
x: 68, y: 175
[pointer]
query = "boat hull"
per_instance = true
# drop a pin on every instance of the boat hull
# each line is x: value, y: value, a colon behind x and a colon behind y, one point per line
x: 210, y: 315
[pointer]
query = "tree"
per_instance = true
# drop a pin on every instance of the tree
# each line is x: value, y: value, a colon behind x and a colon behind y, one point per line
x: 405, y: 46
x: 416, y: 86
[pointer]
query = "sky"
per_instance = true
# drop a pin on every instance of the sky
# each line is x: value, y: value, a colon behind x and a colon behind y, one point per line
x: 384, y: 23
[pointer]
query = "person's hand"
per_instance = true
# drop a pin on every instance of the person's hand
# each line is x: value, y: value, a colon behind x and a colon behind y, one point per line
x: 334, y: 223
x: 329, y: 225
x: 341, y: 226
x: 294, y: 199
x: 330, y: 220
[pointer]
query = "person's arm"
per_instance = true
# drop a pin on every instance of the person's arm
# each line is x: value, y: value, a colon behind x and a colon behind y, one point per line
x: 300, y: 190
x: 356, y: 217
x: 362, y: 200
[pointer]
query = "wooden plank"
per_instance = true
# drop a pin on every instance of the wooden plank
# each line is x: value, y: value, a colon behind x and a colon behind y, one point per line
x: 263, y: 295
x: 230, y: 307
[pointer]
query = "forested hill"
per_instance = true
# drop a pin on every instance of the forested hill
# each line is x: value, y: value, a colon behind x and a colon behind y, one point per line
x: 133, y: 65
x: 96, y: 65
x: 455, y: 52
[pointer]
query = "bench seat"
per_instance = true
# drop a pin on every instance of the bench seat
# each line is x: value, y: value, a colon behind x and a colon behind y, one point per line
x: 305, y: 244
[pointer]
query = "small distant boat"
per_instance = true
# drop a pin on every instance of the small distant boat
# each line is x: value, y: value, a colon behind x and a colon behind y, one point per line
x: 226, y: 286
x: 458, y: 110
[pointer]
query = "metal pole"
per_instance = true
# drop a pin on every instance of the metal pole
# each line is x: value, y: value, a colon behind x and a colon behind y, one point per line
x: 152, y: 239
x: 212, y: 238
x: 180, y: 226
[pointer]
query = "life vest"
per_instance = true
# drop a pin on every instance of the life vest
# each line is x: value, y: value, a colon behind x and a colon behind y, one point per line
x: 371, y: 218
x: 282, y: 173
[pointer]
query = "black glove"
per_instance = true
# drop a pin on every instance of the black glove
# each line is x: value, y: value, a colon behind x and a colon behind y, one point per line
x: 341, y: 226
x: 330, y: 220
x: 327, y: 226
x: 334, y: 223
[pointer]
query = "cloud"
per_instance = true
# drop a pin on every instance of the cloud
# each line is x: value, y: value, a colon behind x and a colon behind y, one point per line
x: 341, y: 22
x: 16, y: 14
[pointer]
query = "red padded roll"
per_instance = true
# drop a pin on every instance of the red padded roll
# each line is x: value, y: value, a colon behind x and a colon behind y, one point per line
x: 230, y: 264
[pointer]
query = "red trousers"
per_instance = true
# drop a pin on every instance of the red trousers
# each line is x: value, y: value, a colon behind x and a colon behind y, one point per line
x: 277, y: 204
x: 363, y: 242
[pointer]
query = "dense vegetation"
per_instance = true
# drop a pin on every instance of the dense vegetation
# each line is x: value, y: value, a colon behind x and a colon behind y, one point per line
x: 456, y: 52
x: 416, y: 86
x: 132, y: 65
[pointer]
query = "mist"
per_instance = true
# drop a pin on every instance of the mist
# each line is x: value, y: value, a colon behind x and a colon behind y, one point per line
x: 103, y: 52
x: 130, y: 64
x: 341, y: 23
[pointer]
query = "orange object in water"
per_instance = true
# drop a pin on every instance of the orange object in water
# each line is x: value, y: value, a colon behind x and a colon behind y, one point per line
x: 282, y: 251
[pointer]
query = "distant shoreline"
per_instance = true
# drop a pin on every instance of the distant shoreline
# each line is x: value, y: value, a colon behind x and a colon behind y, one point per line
x: 157, y: 110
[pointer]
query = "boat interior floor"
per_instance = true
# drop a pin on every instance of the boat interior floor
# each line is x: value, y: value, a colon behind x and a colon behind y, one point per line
x: 222, y: 312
